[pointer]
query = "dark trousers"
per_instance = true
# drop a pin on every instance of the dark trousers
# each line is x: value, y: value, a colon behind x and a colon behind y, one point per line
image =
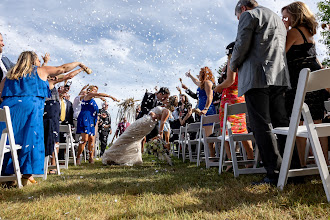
x: 266, y: 109
x: 103, y: 137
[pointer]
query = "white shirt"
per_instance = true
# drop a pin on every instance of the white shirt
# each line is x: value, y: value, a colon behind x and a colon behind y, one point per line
x: 76, y: 106
x: 3, y: 67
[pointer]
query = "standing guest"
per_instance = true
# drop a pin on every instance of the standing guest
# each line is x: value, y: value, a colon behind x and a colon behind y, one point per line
x: 301, y: 53
x: 24, y: 91
x: 104, y: 125
x: 205, y: 83
x: 5, y: 63
x: 229, y: 91
x: 52, y: 111
x: 76, y: 105
x: 137, y: 111
x: 87, y: 121
x: 122, y: 126
x: 259, y: 56
x: 151, y: 100
x: 66, y: 116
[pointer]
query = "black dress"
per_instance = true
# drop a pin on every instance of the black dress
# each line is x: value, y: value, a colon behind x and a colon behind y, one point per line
x: 52, y: 122
x: 299, y: 57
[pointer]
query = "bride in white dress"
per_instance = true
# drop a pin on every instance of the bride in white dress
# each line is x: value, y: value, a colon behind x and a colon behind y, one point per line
x: 127, y: 148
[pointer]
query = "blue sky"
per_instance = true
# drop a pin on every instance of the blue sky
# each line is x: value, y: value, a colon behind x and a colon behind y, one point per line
x: 131, y: 45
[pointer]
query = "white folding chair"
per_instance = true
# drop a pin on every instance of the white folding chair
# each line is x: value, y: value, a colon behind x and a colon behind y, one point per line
x: 8, y: 134
x: 308, y: 81
x: 205, y: 140
x: 232, y: 138
x: 193, y: 127
x: 68, y: 146
x: 182, y: 140
x: 175, y: 143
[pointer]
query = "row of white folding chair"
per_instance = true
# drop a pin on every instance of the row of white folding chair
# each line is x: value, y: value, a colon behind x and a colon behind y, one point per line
x: 8, y: 134
x: 308, y: 82
x: 182, y: 141
x: 175, y: 143
x: 232, y: 138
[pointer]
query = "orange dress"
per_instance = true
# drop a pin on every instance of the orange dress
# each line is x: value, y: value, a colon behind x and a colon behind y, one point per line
x: 230, y: 95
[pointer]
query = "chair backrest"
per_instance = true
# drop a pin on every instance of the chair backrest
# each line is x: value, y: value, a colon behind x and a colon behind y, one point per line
x: 175, y: 131
x: 65, y: 128
x: 308, y: 82
x: 207, y: 119
x: 193, y: 127
x: 5, y: 117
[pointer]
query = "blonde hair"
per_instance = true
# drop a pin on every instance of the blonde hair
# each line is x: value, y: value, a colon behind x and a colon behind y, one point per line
x: 205, y: 74
x: 91, y: 87
x: 301, y: 16
x: 171, y: 103
x: 24, y: 65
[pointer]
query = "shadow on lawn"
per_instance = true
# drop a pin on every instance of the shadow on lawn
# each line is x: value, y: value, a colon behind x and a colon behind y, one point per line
x: 214, y: 192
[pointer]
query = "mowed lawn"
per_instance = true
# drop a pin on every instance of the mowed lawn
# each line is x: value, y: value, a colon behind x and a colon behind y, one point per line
x: 158, y: 191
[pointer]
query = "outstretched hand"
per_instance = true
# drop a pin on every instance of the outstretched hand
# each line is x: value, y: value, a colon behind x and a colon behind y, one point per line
x: 46, y: 58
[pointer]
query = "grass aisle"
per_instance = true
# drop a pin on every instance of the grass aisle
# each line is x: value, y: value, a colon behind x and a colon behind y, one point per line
x: 158, y: 191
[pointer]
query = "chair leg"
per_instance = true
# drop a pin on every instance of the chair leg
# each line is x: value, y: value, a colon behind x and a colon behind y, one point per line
x: 232, y: 145
x: 46, y: 168
x: 57, y: 163
x: 221, y: 160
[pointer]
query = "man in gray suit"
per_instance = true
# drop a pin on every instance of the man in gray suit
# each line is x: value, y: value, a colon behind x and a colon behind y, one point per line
x: 263, y: 77
x: 5, y: 63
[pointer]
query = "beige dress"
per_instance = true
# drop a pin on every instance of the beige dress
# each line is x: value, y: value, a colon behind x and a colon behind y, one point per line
x: 127, y: 148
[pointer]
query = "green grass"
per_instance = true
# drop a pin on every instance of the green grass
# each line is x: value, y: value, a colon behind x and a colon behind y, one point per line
x: 158, y: 191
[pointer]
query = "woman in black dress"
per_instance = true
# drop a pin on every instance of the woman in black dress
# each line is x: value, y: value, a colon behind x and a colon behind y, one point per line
x: 301, y: 53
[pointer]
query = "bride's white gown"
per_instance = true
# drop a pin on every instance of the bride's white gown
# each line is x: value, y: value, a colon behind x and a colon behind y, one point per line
x: 127, y: 148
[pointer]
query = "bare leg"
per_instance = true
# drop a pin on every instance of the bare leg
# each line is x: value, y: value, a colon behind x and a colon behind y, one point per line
x: 81, y: 147
x: 301, y: 146
x: 91, y: 148
x: 167, y: 139
x: 142, y: 144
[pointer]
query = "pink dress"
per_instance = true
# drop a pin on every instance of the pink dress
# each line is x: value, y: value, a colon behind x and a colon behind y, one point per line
x: 230, y: 95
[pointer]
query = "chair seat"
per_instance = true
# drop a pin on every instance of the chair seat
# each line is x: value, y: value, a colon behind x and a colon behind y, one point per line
x: 7, y: 148
x: 322, y: 130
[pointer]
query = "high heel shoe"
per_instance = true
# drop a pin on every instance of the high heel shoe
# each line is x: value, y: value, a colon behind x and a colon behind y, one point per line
x: 28, y: 181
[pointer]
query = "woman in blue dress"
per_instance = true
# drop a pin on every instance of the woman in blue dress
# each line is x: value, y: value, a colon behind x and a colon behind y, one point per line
x: 24, y: 91
x: 87, y: 120
x: 205, y: 83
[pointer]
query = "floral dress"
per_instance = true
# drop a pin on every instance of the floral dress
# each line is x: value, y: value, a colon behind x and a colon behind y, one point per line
x: 230, y: 96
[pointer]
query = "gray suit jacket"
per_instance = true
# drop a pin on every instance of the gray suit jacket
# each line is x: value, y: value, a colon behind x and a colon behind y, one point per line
x: 8, y: 64
x: 259, y: 52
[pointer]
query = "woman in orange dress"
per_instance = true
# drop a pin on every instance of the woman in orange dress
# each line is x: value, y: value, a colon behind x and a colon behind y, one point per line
x: 230, y: 95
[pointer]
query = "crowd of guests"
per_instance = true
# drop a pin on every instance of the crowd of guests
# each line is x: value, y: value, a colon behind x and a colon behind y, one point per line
x: 262, y: 70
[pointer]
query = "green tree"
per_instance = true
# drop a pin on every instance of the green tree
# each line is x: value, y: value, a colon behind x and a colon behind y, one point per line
x: 324, y: 17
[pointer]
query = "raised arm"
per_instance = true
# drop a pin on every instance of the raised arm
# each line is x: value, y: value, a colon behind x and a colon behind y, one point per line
x: 91, y: 95
x: 46, y: 58
x: 61, y: 78
x: 194, y: 79
x: 228, y: 81
x: 46, y: 71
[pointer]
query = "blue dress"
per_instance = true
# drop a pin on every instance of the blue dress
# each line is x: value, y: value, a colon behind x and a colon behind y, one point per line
x: 202, y: 98
x: 87, y: 117
x: 26, y: 97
